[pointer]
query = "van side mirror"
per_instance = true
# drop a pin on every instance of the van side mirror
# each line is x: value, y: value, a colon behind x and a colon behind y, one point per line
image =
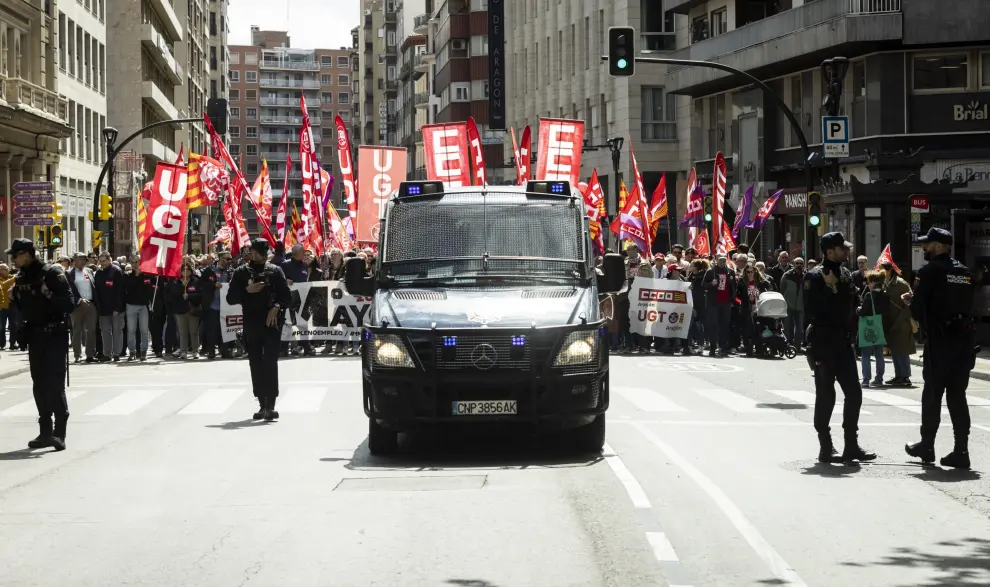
x: 615, y: 273
x: 356, y: 278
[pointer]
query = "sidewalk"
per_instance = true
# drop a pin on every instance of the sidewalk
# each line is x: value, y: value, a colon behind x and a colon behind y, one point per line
x: 980, y: 371
x: 12, y: 363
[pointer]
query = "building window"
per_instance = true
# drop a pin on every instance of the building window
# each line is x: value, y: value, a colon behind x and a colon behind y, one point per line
x: 251, y: 76
x: 250, y: 58
x: 235, y: 58
x: 343, y: 98
x: 235, y: 112
x: 658, y: 115
x: 326, y: 98
x: 251, y: 95
x: 235, y: 95
x: 941, y: 72
x: 326, y: 61
x: 343, y: 79
x: 985, y: 70
x: 720, y: 21
x: 252, y: 113
x: 235, y: 132
x: 235, y: 76
x: 252, y: 132
x: 234, y: 149
x: 343, y: 62
x: 699, y: 29
x: 252, y: 169
x: 345, y: 115
x: 252, y: 150
x: 462, y: 93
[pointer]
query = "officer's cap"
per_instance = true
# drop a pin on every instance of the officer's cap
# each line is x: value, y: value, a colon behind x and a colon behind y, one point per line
x: 936, y: 235
x: 833, y: 240
x: 260, y: 245
x: 20, y: 245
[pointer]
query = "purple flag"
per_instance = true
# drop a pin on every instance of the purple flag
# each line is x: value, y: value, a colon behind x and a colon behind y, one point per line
x: 760, y: 220
x: 742, y: 213
x: 327, y: 192
x: 695, y: 215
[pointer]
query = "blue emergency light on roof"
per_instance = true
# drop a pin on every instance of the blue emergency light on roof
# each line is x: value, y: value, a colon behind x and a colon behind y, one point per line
x: 549, y: 187
x: 420, y: 188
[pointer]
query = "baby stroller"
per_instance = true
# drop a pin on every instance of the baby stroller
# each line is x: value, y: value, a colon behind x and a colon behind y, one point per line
x: 771, y: 308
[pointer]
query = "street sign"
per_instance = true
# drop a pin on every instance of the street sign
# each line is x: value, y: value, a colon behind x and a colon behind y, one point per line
x: 39, y: 198
x: 30, y: 210
x: 34, y: 186
x: 835, y: 136
x: 920, y: 204
x: 34, y: 221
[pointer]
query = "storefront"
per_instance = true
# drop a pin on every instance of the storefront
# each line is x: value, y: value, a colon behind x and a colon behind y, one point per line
x: 790, y: 219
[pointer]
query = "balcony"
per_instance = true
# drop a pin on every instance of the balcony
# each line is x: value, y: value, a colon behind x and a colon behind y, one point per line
x: 391, y: 51
x: 290, y: 120
x: 422, y: 62
x: 153, y: 148
x: 289, y: 65
x: 421, y: 24
x: 162, y: 54
x: 391, y: 17
x: 173, y: 28
x: 28, y: 98
x: 418, y: 137
x: 265, y: 101
x: 267, y: 137
x: 278, y: 174
x: 405, y: 70
x: 391, y: 86
x: 657, y: 42
x: 788, y: 41
x: 355, y: 64
x: 421, y: 99
x: 159, y: 101
x: 306, y: 84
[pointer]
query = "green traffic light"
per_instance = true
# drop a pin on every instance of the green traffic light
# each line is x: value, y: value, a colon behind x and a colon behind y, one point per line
x: 622, y: 63
x: 814, y: 221
x: 708, y: 217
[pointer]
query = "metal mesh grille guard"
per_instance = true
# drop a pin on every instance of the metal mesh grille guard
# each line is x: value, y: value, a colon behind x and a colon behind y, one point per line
x: 503, y: 225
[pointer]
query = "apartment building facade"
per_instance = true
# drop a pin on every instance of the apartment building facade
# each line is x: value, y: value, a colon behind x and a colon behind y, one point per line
x: 554, y: 70
x: 414, y: 81
x: 267, y: 80
x: 378, y: 70
x: 82, y: 79
x: 916, y: 92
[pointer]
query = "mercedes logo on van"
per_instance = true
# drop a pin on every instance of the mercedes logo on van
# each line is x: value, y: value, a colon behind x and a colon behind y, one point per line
x: 484, y: 356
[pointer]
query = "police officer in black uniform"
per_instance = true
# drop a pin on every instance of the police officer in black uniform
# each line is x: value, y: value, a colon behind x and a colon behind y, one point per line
x: 261, y: 290
x: 830, y: 307
x: 942, y: 305
x: 44, y: 301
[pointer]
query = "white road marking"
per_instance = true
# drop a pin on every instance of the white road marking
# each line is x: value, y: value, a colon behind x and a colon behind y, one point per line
x: 894, y: 401
x: 648, y: 400
x: 732, y: 400
x: 213, y: 401
x: 29, y: 408
x: 139, y: 383
x: 126, y: 403
x: 778, y: 566
x: 662, y: 548
x: 806, y: 398
x: 300, y: 400
x: 633, y: 488
x: 779, y: 424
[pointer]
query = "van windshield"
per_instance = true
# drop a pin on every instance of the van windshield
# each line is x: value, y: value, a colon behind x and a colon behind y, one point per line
x: 484, y: 234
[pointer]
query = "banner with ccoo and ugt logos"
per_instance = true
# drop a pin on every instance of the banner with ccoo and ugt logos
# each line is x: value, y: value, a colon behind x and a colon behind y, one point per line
x: 660, y: 307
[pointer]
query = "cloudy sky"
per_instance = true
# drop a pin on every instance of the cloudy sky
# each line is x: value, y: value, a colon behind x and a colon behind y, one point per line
x: 324, y: 24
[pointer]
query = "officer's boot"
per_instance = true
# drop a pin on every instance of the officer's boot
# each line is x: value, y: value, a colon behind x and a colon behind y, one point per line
x: 270, y: 413
x: 827, y: 452
x: 959, y: 457
x: 852, y: 451
x: 44, y: 438
x: 924, y: 450
x: 261, y: 409
x: 58, y: 436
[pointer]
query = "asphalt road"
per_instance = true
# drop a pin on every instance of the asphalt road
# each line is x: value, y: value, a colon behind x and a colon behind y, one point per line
x: 708, y: 479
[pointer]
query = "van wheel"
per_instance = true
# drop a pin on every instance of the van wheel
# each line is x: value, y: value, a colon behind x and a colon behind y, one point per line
x: 382, y: 442
x: 590, y: 438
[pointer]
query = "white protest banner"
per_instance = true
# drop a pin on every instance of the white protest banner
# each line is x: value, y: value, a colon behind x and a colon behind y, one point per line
x: 320, y: 310
x: 660, y: 307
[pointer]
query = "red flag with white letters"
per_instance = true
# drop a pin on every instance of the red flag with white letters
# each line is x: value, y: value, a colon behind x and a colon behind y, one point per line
x: 447, y: 154
x: 559, y: 155
x: 381, y: 170
x: 478, y: 171
x: 165, y: 232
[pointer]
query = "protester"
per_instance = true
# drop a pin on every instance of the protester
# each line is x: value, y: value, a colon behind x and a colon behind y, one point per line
x: 898, y: 327
x: 109, y: 296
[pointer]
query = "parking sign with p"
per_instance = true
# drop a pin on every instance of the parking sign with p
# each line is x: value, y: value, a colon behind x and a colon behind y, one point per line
x: 835, y: 136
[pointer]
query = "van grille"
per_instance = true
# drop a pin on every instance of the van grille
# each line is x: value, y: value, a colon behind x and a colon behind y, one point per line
x: 477, y: 351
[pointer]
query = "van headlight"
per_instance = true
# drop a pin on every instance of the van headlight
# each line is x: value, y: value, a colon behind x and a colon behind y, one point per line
x: 579, y: 348
x: 388, y: 350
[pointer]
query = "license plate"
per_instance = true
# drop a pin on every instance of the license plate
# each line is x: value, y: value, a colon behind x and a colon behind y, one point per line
x: 485, y: 408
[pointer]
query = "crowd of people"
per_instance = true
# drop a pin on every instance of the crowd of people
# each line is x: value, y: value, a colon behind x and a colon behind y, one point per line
x: 122, y: 313
x: 725, y: 290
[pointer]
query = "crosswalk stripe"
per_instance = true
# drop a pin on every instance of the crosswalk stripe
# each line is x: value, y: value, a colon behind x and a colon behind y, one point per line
x: 213, y: 401
x: 29, y: 409
x: 894, y: 401
x: 648, y: 400
x: 126, y: 403
x: 806, y: 398
x: 732, y: 400
x: 300, y: 400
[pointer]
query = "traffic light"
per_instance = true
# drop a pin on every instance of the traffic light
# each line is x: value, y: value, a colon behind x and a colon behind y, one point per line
x: 55, y: 236
x: 97, y: 239
x: 56, y: 214
x: 708, y: 208
x: 106, y: 207
x: 621, y: 51
x: 814, y: 209
x: 216, y: 111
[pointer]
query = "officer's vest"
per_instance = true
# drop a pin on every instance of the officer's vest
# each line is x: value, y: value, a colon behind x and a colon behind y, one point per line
x: 953, y: 298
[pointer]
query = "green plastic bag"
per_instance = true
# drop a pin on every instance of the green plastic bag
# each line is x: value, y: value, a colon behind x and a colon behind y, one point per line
x: 871, y: 328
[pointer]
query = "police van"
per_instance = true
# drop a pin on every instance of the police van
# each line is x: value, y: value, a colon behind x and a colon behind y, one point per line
x: 485, y: 309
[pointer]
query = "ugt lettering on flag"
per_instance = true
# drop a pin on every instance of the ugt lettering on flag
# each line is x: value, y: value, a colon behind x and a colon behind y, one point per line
x: 161, y: 251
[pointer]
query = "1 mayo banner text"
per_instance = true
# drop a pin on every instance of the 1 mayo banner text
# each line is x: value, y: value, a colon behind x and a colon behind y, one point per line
x: 660, y: 307
x: 321, y: 310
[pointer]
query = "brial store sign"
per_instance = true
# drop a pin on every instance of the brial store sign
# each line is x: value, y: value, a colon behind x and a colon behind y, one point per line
x: 973, y: 110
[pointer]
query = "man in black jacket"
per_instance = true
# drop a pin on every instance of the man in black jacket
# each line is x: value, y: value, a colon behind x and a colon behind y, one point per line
x: 109, y: 294
x: 262, y: 291
x: 139, y: 288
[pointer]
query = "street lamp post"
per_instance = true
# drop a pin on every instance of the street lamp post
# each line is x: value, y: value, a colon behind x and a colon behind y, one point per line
x: 110, y: 136
x: 833, y: 73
